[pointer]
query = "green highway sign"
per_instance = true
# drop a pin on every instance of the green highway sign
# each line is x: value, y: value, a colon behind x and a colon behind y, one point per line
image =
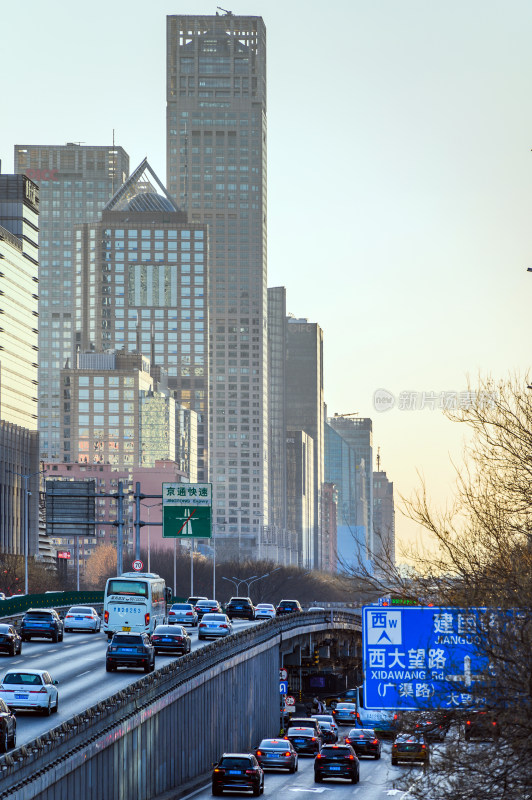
x: 187, y: 510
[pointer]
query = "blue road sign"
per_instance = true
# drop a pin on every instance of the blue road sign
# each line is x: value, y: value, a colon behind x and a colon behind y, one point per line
x: 283, y: 687
x: 423, y: 658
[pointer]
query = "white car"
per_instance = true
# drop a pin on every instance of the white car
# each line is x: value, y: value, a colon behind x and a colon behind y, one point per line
x: 265, y: 611
x: 326, y: 718
x: 30, y: 689
x: 214, y: 625
x: 82, y: 618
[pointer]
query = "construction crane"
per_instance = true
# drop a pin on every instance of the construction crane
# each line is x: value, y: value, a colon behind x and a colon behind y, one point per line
x: 351, y: 414
x: 230, y: 13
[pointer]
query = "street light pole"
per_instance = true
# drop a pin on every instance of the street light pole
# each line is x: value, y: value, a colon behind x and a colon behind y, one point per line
x: 25, y: 477
x: 149, y: 506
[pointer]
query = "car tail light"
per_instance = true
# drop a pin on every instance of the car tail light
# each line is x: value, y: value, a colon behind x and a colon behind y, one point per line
x: 172, y: 613
x: 493, y: 723
x: 319, y: 755
x: 203, y: 624
x: 285, y: 737
x: 69, y: 616
x: 155, y: 638
x: 147, y: 618
x: 219, y: 769
x: 375, y: 741
x: 468, y: 722
x: 106, y: 617
x: 43, y: 690
x: 224, y: 626
x: 423, y: 747
x: 351, y: 757
x: 89, y: 616
x: 287, y: 754
x: 188, y: 614
x: 250, y: 772
x: 313, y: 739
x: 394, y: 717
x: 259, y: 752
x: 178, y: 638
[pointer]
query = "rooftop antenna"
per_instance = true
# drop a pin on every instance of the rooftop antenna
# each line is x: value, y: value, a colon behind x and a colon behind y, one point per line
x: 378, y: 459
x: 114, y: 167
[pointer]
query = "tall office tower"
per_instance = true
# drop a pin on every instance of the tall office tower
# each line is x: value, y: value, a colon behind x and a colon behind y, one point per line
x: 329, y: 526
x: 300, y: 489
x: 216, y: 170
x: 75, y: 183
x: 143, y: 287
x: 19, y: 439
x: 305, y: 404
x: 343, y: 471
x: 383, y: 520
x: 277, y: 410
x: 358, y: 434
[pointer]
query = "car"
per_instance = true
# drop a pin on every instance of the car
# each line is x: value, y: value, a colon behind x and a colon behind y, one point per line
x: 207, y: 607
x: 240, y: 607
x: 349, y: 696
x: 364, y: 742
x: 433, y: 729
x: 278, y: 754
x: 336, y: 761
x: 82, y: 618
x: 481, y: 725
x: 130, y: 650
x: 30, y: 689
x: 3, y: 596
x: 238, y: 771
x: 183, y: 613
x: 410, y: 747
x: 326, y: 718
x: 316, y: 608
x: 171, y: 638
x: 42, y: 623
x: 304, y: 739
x: 308, y: 722
x: 345, y: 713
x: 8, y: 727
x: 10, y: 640
x: 289, y: 607
x: 194, y: 599
x: 215, y: 625
x: 329, y: 734
x: 265, y: 611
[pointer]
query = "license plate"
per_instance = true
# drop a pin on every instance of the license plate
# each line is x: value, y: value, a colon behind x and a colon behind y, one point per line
x: 166, y: 639
x: 126, y: 650
x: 234, y: 772
x: 299, y: 741
x: 273, y: 755
x: 78, y: 618
x: 128, y: 630
x: 238, y: 608
x: 212, y: 626
x: 335, y: 769
x: 21, y: 696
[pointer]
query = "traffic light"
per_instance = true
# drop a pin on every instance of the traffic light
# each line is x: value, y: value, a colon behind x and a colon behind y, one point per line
x: 316, y: 655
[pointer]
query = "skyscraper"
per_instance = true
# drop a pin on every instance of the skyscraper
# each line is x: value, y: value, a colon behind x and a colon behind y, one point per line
x: 383, y: 520
x: 75, y: 183
x: 143, y: 287
x: 19, y: 439
x: 216, y: 170
x: 305, y: 405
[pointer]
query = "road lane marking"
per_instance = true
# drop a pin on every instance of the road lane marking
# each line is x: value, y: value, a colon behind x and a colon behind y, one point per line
x: 84, y: 673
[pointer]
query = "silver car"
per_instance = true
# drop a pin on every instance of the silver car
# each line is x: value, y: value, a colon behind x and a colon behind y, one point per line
x: 265, y: 611
x: 215, y: 625
x: 82, y: 618
x: 183, y: 614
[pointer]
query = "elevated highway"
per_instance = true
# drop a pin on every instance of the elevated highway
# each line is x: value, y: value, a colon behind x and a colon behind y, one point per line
x: 117, y: 736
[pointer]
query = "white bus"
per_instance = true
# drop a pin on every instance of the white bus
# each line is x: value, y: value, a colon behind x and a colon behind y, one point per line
x: 383, y: 721
x: 134, y: 601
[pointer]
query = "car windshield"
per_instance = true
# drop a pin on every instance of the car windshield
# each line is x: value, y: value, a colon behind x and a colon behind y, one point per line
x: 214, y: 617
x: 273, y: 743
x: 119, y: 639
x: 123, y: 586
x: 232, y: 762
x: 336, y: 751
x: 22, y: 679
x: 346, y: 706
x: 39, y: 614
x: 405, y: 738
x: 80, y: 611
x: 264, y: 605
x: 181, y: 607
x: 207, y: 602
x: 175, y: 630
x: 5, y: 628
x: 325, y: 724
x: 301, y: 732
x: 323, y: 717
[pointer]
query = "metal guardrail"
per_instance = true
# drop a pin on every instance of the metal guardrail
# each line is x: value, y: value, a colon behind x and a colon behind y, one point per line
x: 41, y: 754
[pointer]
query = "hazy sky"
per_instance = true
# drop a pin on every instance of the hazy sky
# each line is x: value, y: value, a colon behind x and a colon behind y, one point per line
x: 399, y: 178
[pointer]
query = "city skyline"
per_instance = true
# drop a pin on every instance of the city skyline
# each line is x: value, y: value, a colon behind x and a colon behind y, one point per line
x: 406, y: 205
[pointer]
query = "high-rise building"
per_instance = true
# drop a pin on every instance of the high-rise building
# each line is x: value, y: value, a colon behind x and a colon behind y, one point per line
x: 216, y: 170
x: 300, y: 494
x: 358, y: 435
x: 143, y: 287
x: 277, y: 406
x: 305, y: 404
x: 75, y: 181
x: 329, y: 507
x: 19, y: 438
x: 383, y: 520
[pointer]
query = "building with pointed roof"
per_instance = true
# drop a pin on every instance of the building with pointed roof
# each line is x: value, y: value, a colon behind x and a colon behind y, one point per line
x: 143, y: 288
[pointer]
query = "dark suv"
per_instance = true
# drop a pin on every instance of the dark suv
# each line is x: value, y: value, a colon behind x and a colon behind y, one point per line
x: 481, y: 725
x: 289, y: 607
x: 336, y: 761
x: 130, y: 650
x: 238, y: 771
x: 240, y: 607
x: 44, y: 623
